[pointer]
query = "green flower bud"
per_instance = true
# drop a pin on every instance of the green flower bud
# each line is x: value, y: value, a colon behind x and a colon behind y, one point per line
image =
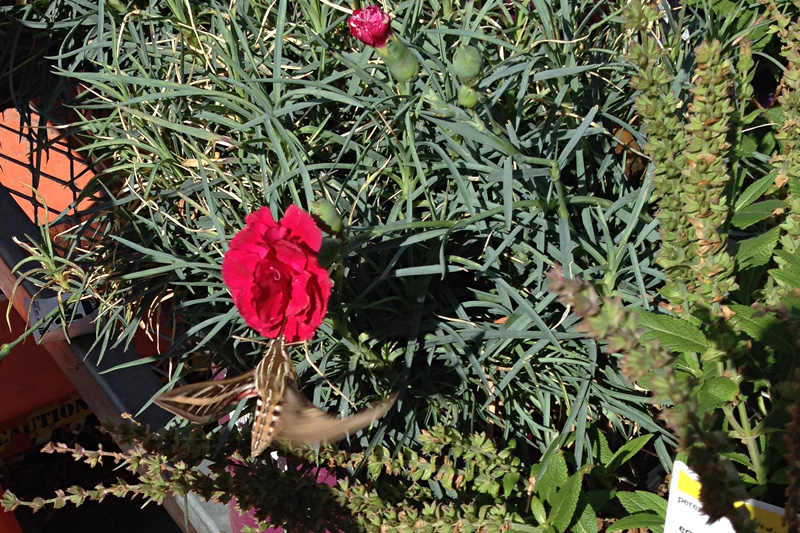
x: 468, y: 65
x: 468, y: 97
x: 329, y: 252
x: 436, y: 105
x: 326, y: 216
x: 399, y: 59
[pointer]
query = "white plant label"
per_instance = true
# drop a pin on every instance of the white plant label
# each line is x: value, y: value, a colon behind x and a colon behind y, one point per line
x: 82, y: 322
x: 685, y: 512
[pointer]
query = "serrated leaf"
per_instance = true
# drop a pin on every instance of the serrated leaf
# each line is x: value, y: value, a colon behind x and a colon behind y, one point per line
x: 753, y: 192
x: 764, y: 329
x: 794, y: 186
x: 587, y: 521
x: 37, y: 504
x: 509, y: 482
x: 672, y: 332
x: 641, y: 501
x: 757, y: 251
x: 789, y: 271
x: 790, y: 278
x: 448, y: 473
x: 718, y: 391
x: 748, y: 145
x: 740, y: 458
x: 723, y: 7
x: 374, y: 468
x: 750, y: 480
x: 566, y: 501
x: 649, y: 521
x: 553, y: 478
x: 751, y: 214
x: 601, y: 450
x: 486, y: 484
x: 782, y: 257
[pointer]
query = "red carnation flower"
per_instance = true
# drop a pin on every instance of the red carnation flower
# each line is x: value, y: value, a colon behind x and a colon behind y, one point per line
x: 272, y: 272
x: 371, y: 26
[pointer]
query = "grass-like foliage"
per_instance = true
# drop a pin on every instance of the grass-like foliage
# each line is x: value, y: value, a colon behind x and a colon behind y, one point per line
x: 453, y: 211
x: 452, y: 215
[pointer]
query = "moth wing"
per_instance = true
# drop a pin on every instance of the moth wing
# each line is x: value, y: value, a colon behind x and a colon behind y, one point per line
x: 306, y: 424
x: 203, y: 402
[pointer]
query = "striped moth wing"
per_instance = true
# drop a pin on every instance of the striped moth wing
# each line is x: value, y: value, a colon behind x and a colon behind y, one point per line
x: 281, y: 409
x: 306, y: 424
x: 203, y: 402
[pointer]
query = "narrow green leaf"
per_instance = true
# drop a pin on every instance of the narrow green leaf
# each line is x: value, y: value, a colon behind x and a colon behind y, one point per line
x: 537, y: 510
x: 751, y: 214
x: 649, y: 521
x: 626, y: 452
x: 753, y: 192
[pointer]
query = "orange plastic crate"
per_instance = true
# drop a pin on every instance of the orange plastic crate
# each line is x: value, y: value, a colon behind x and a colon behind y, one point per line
x: 31, y: 388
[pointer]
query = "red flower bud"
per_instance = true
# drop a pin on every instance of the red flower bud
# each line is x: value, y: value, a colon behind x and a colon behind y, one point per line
x: 371, y: 26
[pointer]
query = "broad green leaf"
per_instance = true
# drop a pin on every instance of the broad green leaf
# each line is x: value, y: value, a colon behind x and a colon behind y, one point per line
x: 748, y: 145
x: 782, y: 257
x: 587, y: 521
x: 601, y: 449
x: 642, y: 501
x: 794, y: 186
x: 485, y: 483
x: 749, y: 215
x: 509, y: 482
x: 649, y: 521
x: 553, y: 478
x: 789, y: 273
x: 672, y: 332
x: 448, y: 473
x: 790, y: 278
x: 566, y: 501
x: 718, y: 391
x: 765, y: 329
x: 523, y: 528
x: 757, y: 251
